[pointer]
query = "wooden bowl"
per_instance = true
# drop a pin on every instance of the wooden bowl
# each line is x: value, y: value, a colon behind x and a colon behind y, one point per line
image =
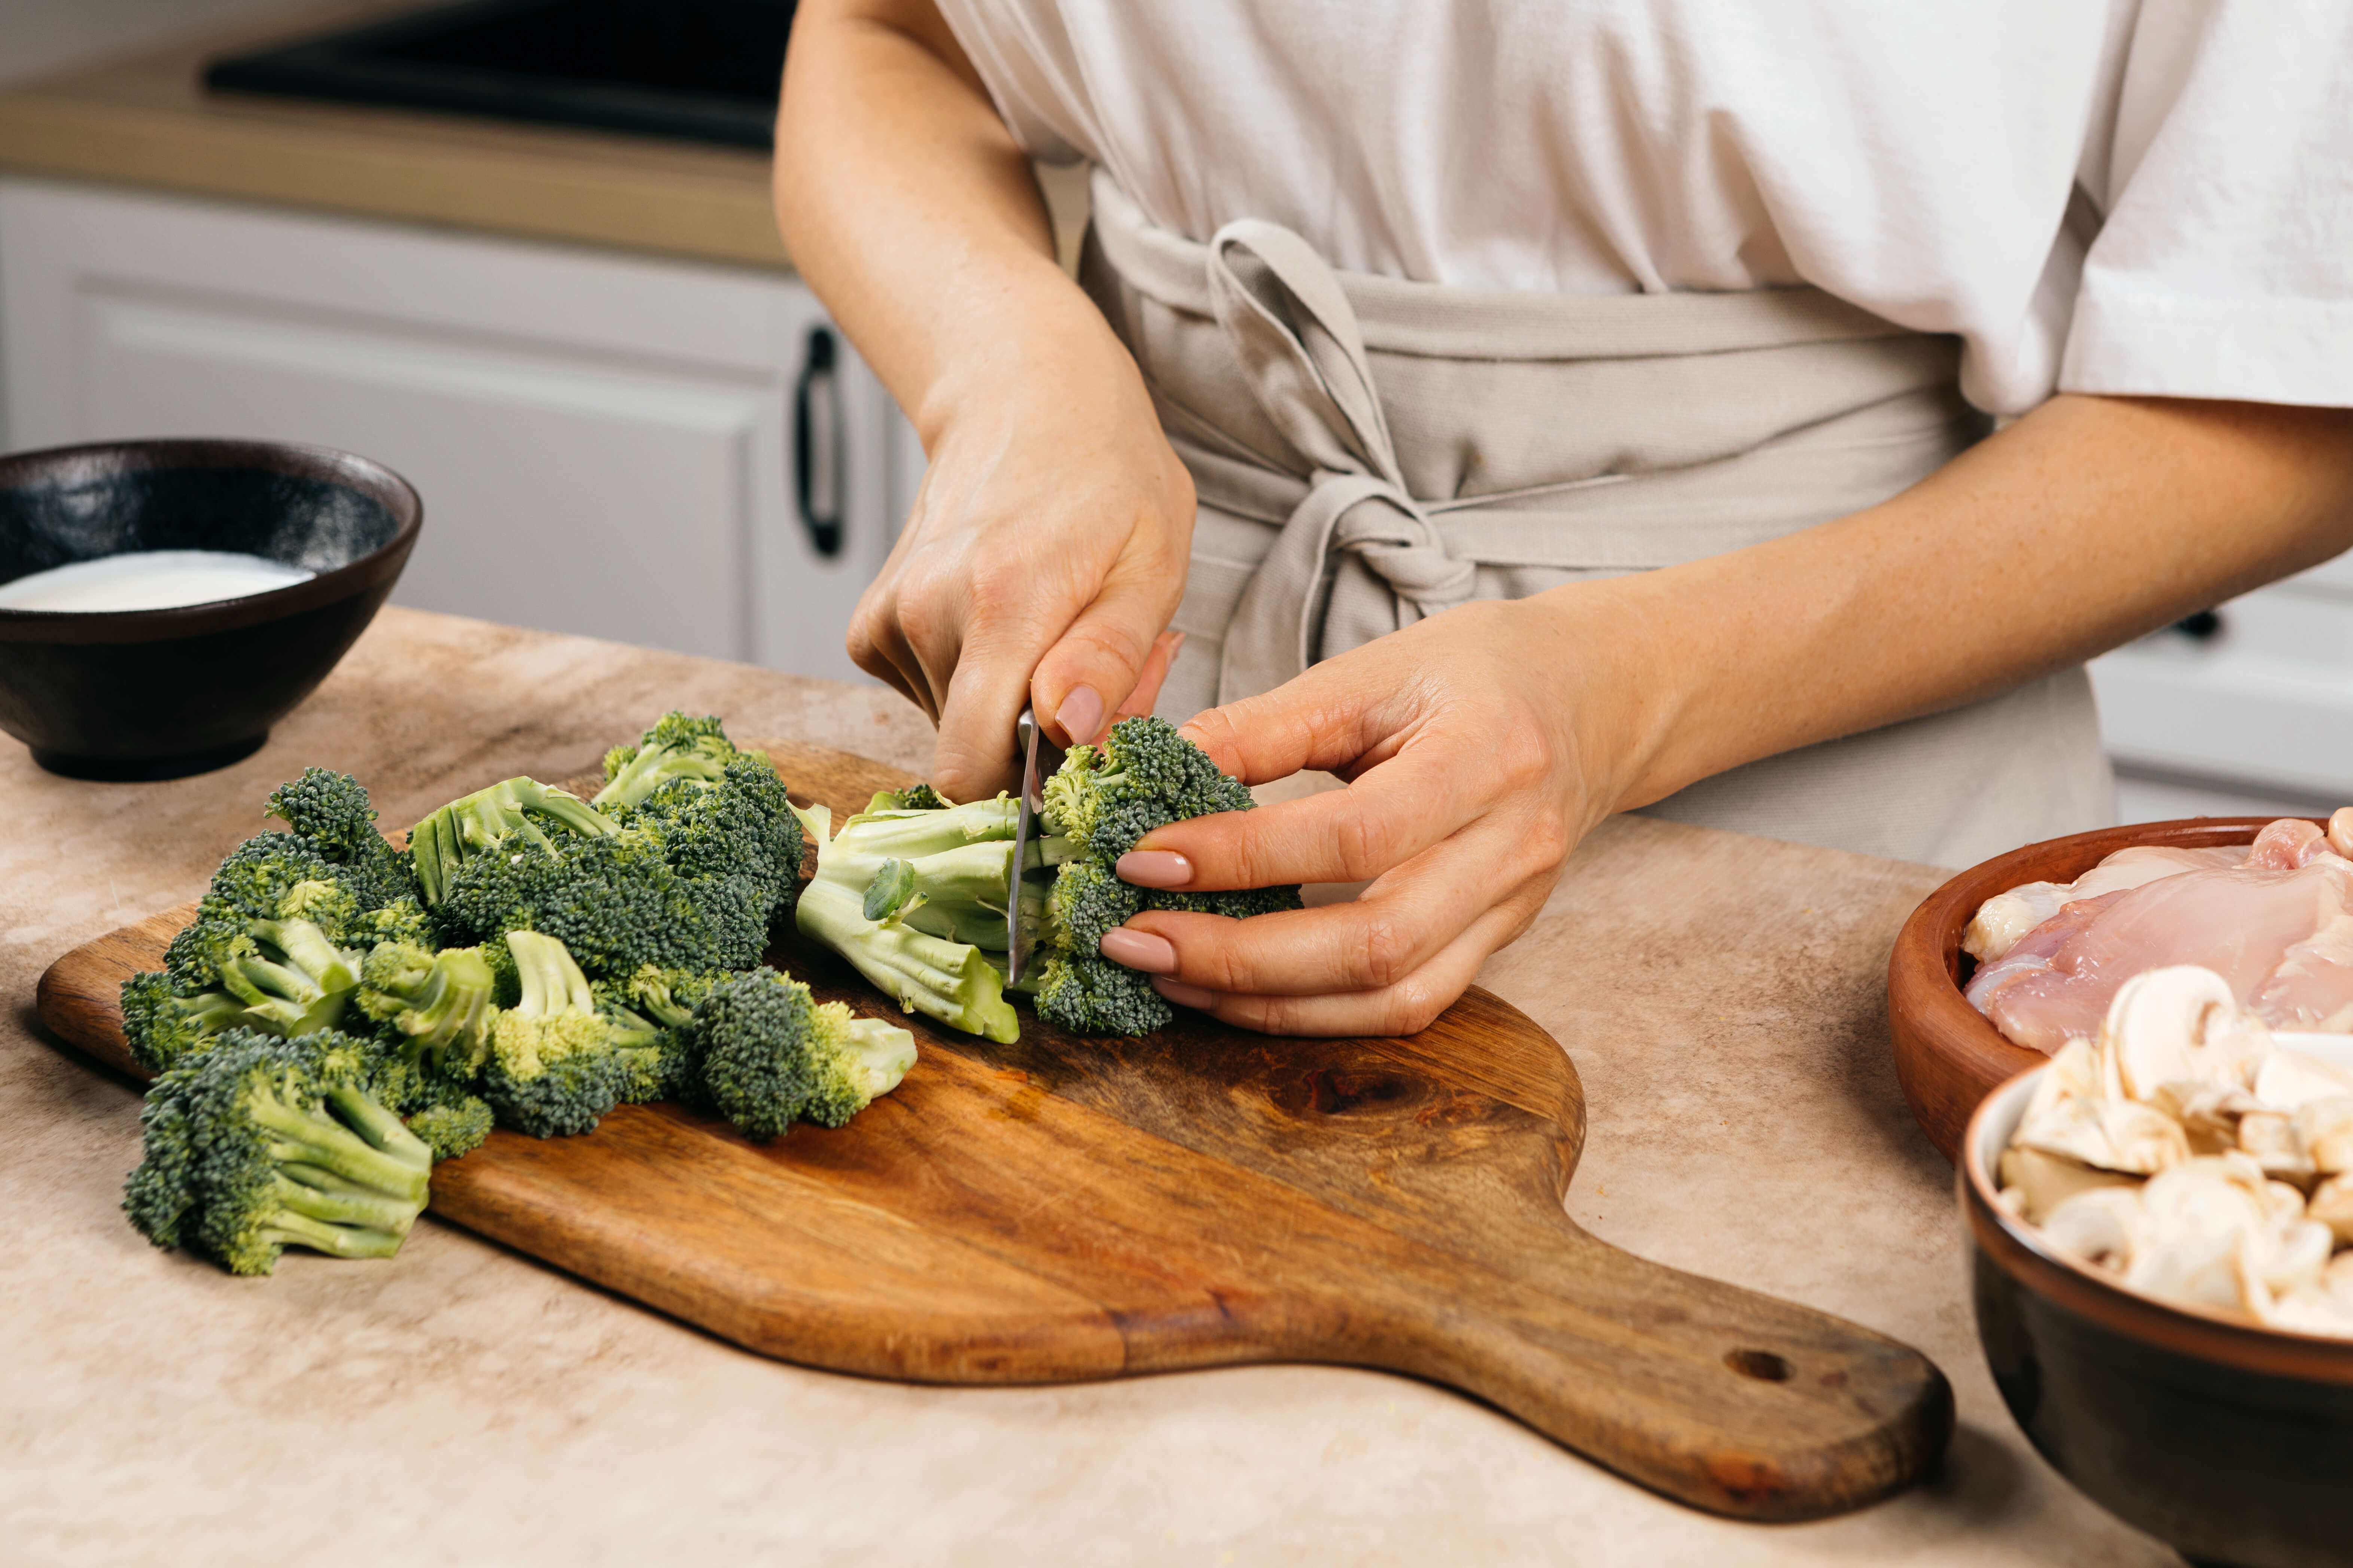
x: 2229, y: 1442
x: 1948, y: 1056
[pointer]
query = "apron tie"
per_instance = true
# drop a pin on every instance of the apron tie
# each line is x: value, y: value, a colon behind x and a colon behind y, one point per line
x: 1303, y: 354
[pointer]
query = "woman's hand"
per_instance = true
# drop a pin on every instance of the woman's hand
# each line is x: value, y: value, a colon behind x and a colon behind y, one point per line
x: 1052, y: 536
x: 1049, y: 547
x: 1470, y: 775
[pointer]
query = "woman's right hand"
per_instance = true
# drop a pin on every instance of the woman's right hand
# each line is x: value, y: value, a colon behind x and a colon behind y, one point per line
x: 1045, y: 555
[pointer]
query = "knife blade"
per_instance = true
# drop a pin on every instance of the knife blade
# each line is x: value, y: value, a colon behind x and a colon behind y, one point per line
x: 1039, y: 758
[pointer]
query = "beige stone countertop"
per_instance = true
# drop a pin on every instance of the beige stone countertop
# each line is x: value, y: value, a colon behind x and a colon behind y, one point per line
x: 1722, y: 997
x: 143, y: 119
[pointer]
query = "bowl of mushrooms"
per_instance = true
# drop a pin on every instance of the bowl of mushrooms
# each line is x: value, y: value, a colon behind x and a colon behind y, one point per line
x: 2162, y: 1227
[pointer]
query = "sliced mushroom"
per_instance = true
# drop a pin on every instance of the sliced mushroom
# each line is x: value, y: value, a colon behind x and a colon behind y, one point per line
x: 2271, y: 1139
x: 2327, y: 1126
x: 2289, y: 1080
x: 2332, y: 1206
x: 2209, y: 1113
x: 2176, y: 1024
x: 2042, y: 1180
x: 2340, y: 830
x: 2098, y: 1225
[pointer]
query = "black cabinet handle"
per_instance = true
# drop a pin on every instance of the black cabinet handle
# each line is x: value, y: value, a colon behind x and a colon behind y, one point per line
x: 2203, y: 626
x: 818, y: 444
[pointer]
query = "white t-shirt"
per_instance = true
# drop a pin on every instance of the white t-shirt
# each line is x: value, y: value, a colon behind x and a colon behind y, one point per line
x: 2150, y: 196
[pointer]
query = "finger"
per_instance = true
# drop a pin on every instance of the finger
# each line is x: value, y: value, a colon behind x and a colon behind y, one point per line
x: 975, y: 756
x: 1328, y: 718
x: 875, y: 646
x: 1426, y: 793
x: 1096, y: 666
x: 1393, y: 928
x: 1164, y: 650
x: 1407, y: 1007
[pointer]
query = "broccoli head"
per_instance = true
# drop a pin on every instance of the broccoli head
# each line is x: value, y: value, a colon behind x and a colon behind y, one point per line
x: 259, y: 1143
x: 436, y: 1005
x: 1144, y: 775
x: 1088, y: 995
x: 556, y: 1063
x: 331, y: 813
x: 161, y: 1025
x: 511, y: 814
x: 772, y: 1055
x: 677, y: 747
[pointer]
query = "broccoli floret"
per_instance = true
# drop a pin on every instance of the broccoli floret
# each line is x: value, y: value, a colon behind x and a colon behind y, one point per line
x: 289, y: 978
x: 742, y: 824
x: 895, y: 875
x: 514, y: 813
x: 677, y: 747
x: 662, y: 1002
x: 403, y: 920
x: 259, y: 1143
x: 161, y: 1025
x: 332, y: 814
x: 556, y: 1064
x: 616, y: 903
x: 1088, y: 995
x: 772, y: 1055
x: 437, y: 1005
x: 914, y: 797
x: 259, y: 874
x: 1144, y: 775
x: 451, y: 1122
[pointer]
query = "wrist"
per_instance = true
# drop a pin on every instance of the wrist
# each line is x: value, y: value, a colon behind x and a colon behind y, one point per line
x: 1623, y: 705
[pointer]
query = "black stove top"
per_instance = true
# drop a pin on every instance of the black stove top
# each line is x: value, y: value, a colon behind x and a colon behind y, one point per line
x: 704, y: 70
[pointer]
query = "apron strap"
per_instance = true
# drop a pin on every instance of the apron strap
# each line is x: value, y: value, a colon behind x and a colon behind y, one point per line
x: 1297, y: 341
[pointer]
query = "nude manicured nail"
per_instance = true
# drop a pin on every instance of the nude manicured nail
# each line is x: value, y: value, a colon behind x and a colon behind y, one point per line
x: 1080, y: 715
x: 1154, y: 868
x: 1184, y: 995
x: 1139, y: 949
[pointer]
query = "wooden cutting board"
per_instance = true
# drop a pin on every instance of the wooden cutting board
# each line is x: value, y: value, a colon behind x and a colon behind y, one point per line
x: 1068, y: 1208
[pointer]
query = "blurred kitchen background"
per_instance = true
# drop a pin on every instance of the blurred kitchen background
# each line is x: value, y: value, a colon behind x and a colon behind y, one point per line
x: 576, y: 333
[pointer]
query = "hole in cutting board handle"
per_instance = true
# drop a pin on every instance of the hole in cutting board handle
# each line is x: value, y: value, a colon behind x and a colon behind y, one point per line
x: 1762, y: 1366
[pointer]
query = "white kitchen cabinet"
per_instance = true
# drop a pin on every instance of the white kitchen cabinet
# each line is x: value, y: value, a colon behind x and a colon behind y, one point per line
x: 605, y: 444
x: 2265, y: 699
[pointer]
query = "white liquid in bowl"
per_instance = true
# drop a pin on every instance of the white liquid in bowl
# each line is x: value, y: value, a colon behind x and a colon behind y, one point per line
x: 149, y: 580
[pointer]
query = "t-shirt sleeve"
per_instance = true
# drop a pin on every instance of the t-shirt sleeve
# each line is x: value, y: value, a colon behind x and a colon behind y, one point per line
x: 1025, y: 57
x: 2224, y: 267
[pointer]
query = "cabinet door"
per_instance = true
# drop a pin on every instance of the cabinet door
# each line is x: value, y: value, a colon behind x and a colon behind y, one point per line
x: 606, y: 445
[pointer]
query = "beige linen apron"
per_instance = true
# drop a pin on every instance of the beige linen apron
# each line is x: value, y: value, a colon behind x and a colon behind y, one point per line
x: 1369, y: 451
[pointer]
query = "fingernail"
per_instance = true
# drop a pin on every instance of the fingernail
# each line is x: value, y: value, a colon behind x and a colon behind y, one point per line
x: 1139, y: 949
x: 1080, y: 715
x: 1154, y: 868
x: 1184, y: 995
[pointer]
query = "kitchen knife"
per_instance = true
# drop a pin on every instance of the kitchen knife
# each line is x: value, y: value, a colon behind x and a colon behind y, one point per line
x: 1039, y: 758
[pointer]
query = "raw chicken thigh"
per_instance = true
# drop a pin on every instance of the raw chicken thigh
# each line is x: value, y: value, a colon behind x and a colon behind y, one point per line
x: 2275, y: 919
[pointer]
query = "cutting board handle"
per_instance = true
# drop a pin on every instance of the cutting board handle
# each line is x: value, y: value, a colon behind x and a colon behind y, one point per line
x: 1720, y: 1397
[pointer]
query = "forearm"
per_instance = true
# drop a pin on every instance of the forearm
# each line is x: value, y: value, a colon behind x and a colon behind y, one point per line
x: 2087, y: 523
x: 906, y: 205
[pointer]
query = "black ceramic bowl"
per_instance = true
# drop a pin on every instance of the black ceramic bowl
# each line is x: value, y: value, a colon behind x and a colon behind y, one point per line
x: 2230, y: 1442
x: 157, y: 694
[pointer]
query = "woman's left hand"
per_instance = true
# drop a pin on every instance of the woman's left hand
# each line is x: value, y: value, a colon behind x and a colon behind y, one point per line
x: 1470, y: 778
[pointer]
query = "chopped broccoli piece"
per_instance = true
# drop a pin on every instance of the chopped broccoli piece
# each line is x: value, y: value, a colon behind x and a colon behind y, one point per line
x: 1144, y: 775
x: 333, y: 817
x: 556, y: 1064
x: 517, y: 811
x: 1088, y: 995
x: 914, y: 797
x: 452, y: 1126
x: 616, y: 903
x: 677, y: 747
x: 663, y: 1002
x: 259, y: 1143
x: 161, y: 1025
x: 438, y: 1003
x: 772, y: 1055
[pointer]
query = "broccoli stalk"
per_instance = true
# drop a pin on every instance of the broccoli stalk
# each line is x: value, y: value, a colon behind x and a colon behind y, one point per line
x: 516, y: 808
x: 922, y: 950
x: 260, y: 1143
